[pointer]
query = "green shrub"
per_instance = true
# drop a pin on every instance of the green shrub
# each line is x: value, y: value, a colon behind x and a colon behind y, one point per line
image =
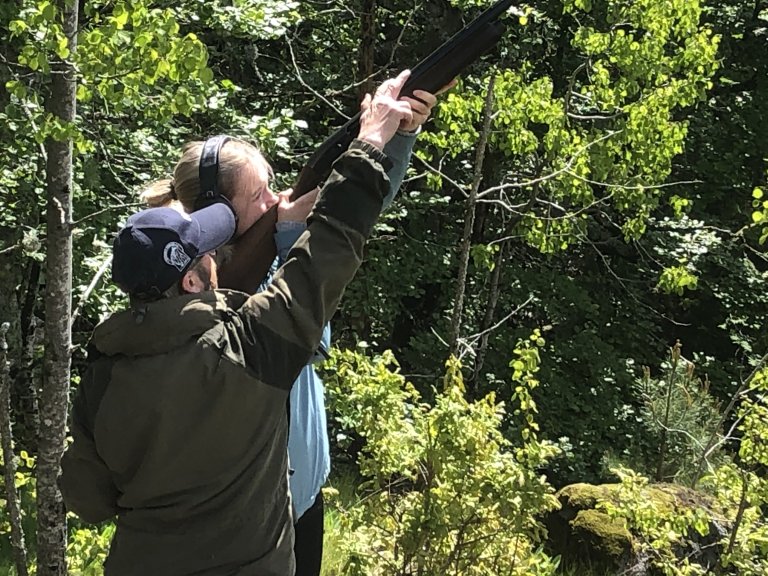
x: 445, y: 492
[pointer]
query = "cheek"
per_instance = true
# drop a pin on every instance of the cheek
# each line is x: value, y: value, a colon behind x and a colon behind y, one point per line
x: 248, y: 211
x: 214, y: 280
x: 253, y: 210
x: 247, y: 215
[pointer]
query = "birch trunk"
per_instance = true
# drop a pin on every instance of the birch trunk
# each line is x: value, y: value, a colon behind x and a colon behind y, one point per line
x: 490, y: 311
x: 469, y: 221
x: 51, y: 516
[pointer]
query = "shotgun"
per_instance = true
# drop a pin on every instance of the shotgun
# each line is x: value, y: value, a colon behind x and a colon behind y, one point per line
x: 254, y: 251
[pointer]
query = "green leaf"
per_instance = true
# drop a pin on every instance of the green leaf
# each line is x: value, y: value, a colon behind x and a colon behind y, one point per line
x: 120, y: 17
x: 62, y: 48
x: 48, y: 11
x: 17, y: 27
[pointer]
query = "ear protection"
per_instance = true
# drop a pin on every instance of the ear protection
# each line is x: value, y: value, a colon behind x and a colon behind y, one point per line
x: 208, y: 172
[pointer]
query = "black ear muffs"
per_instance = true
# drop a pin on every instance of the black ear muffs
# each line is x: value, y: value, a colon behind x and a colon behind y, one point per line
x: 209, y: 174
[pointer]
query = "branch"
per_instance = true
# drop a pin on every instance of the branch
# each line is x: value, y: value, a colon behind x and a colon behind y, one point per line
x: 470, y: 341
x: 634, y: 186
x: 711, y: 444
x: 117, y: 178
x: 300, y: 78
x: 107, y: 209
x: 623, y: 284
x: 740, y: 513
x: 9, y: 249
x: 469, y: 218
x: 86, y: 294
x: 564, y: 170
x: 461, y: 188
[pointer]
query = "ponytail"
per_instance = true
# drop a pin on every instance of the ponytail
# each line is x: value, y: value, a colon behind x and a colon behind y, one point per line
x: 159, y: 194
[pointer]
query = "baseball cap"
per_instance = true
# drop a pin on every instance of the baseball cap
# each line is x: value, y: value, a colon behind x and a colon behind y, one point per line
x: 157, y: 246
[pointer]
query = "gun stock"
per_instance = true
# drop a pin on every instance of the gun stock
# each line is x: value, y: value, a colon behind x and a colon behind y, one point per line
x: 254, y: 252
x: 247, y: 262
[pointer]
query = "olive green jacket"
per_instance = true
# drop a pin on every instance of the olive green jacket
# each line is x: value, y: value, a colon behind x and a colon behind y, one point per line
x: 180, y: 428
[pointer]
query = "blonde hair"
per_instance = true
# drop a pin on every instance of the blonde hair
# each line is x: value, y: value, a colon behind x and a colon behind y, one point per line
x: 184, y: 188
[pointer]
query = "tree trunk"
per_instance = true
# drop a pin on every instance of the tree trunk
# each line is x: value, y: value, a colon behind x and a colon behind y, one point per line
x: 51, y: 516
x: 469, y: 220
x: 490, y: 312
x: 11, y: 495
x: 24, y: 402
x: 367, y: 45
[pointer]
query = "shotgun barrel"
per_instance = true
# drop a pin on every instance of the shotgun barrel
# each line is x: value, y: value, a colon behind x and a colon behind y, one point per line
x: 254, y: 251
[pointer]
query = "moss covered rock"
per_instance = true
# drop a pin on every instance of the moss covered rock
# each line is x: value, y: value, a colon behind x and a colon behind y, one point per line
x: 583, y: 535
x: 608, y: 540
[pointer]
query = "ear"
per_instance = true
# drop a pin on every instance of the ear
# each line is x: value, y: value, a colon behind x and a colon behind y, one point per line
x: 191, y: 283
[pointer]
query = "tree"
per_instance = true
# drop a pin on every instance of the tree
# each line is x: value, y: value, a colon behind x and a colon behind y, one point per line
x: 110, y: 60
x: 60, y: 105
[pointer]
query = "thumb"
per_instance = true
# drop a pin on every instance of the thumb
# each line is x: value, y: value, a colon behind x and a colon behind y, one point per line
x: 393, y: 86
x: 366, y: 103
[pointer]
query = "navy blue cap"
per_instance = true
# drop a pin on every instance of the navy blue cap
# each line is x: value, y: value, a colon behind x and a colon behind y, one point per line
x: 157, y: 246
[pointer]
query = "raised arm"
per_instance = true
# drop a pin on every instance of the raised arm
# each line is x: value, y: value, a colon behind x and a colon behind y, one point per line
x: 282, y: 326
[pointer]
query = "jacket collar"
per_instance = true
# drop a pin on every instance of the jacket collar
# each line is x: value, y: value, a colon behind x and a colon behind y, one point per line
x: 165, y: 324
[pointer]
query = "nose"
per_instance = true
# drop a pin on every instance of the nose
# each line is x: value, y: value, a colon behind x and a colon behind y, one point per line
x: 271, y: 198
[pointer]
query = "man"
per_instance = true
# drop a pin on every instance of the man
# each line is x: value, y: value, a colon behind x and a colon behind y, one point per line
x: 180, y: 424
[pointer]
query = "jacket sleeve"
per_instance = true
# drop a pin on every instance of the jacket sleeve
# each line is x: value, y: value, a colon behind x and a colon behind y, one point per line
x: 286, y: 235
x: 399, y: 151
x: 282, y: 326
x: 85, y: 482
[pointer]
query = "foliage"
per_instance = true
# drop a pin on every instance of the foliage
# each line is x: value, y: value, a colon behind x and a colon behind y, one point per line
x: 654, y: 59
x: 743, y: 485
x: 623, y: 191
x: 680, y: 417
x: 593, y: 107
x: 87, y: 549
x: 760, y: 215
x: 26, y: 489
x: 746, y: 548
x: 447, y: 493
x: 661, y: 527
x: 739, y: 489
x: 677, y: 279
x: 87, y: 546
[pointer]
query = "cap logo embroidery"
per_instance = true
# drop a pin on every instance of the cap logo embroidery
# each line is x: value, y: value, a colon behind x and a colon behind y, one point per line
x: 174, y: 255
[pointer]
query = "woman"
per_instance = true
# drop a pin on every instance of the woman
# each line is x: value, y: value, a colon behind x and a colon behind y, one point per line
x: 244, y: 179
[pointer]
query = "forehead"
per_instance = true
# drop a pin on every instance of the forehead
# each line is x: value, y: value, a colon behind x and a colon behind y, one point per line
x: 256, y: 170
x: 263, y: 171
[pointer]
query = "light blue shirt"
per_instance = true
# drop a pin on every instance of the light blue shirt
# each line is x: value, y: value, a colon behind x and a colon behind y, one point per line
x: 308, y: 446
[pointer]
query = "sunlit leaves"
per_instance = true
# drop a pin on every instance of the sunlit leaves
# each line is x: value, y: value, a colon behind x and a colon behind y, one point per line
x: 241, y: 18
x: 137, y: 51
x: 760, y: 213
x: 677, y: 279
x: 443, y: 481
x: 610, y: 140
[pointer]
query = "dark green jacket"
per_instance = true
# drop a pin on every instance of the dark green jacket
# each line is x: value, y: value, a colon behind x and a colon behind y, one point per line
x: 180, y: 425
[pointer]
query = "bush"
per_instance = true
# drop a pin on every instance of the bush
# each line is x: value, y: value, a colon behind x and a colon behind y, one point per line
x: 445, y: 491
